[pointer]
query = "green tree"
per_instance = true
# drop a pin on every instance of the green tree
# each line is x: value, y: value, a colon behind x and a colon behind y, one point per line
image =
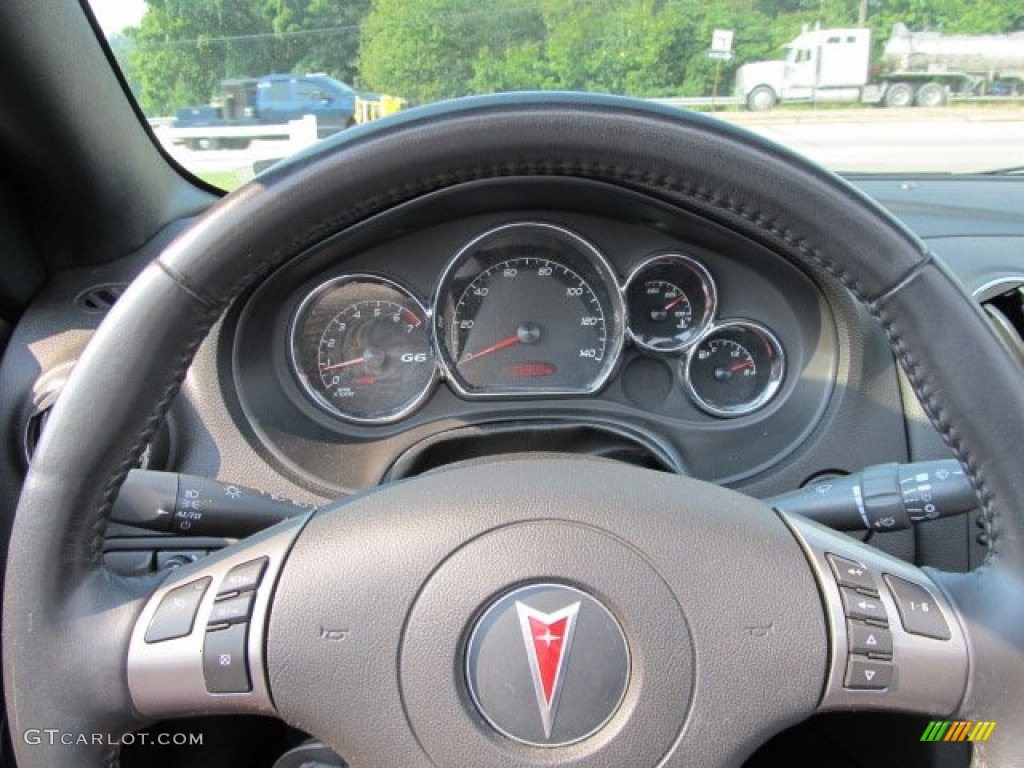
x: 184, y: 48
x: 425, y: 50
x: 430, y: 49
x: 614, y: 45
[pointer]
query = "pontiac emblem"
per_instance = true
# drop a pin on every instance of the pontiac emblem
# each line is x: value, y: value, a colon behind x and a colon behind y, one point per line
x: 548, y: 638
x: 547, y: 665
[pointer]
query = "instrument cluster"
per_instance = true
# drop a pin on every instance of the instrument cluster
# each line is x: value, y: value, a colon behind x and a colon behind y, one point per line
x: 526, y: 309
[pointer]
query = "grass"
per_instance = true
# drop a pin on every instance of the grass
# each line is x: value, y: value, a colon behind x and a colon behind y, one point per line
x: 226, y: 180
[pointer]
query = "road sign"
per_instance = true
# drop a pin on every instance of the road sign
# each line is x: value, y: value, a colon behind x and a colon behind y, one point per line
x: 721, y: 42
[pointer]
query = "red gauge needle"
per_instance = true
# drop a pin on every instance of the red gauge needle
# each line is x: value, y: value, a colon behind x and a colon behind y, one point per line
x: 741, y: 366
x: 493, y: 348
x: 345, y: 364
x: 677, y: 300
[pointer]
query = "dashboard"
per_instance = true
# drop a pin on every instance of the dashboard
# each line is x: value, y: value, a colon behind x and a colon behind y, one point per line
x: 258, y: 407
x: 470, y: 324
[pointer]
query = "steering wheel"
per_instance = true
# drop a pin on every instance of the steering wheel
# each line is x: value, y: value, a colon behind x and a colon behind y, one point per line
x: 560, y: 612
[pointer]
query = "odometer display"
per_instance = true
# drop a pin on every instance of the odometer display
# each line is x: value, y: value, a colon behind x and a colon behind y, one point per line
x: 528, y: 309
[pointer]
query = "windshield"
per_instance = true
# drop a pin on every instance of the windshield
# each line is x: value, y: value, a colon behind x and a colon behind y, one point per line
x: 231, y: 86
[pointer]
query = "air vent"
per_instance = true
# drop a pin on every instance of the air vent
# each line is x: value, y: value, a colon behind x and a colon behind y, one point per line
x: 36, y: 423
x: 1003, y: 302
x: 157, y: 454
x: 100, y: 298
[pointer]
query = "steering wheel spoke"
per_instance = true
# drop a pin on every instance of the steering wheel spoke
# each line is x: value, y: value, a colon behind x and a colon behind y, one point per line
x: 198, y: 646
x: 896, y: 641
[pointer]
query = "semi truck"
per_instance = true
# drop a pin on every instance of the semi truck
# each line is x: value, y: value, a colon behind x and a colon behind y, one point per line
x: 917, y: 68
x: 270, y: 100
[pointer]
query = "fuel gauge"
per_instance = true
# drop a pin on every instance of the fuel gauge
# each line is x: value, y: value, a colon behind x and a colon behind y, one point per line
x: 735, y: 369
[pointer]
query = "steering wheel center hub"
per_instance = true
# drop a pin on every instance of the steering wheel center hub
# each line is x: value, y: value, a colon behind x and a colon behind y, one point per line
x: 547, y: 665
x: 548, y: 652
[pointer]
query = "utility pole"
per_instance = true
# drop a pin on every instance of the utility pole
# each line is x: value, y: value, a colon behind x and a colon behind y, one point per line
x: 862, y: 17
x: 721, y: 50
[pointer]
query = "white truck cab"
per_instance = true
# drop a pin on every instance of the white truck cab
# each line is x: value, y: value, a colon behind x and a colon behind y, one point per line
x: 826, y: 64
x: 923, y: 68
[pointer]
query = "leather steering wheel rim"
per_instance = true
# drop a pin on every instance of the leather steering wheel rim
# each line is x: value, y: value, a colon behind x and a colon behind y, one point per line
x: 67, y: 620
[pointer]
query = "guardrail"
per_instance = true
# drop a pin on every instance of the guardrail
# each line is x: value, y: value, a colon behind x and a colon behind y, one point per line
x: 699, y: 101
x: 731, y: 101
x: 299, y: 133
x: 1018, y: 99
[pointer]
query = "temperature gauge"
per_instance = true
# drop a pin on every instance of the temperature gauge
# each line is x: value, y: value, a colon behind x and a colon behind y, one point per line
x: 735, y: 369
x: 671, y: 300
x: 361, y: 349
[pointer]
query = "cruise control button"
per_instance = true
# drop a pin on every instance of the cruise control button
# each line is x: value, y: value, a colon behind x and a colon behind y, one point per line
x: 869, y: 640
x: 232, y: 610
x: 225, y: 666
x: 858, y: 606
x: 243, y: 577
x: 868, y: 674
x: 176, y: 613
x: 850, y: 573
x: 918, y: 610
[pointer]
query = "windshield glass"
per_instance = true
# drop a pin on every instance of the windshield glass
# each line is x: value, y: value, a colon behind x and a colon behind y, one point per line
x: 231, y: 86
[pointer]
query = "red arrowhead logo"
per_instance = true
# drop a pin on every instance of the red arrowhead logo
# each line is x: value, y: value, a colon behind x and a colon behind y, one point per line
x: 548, y: 638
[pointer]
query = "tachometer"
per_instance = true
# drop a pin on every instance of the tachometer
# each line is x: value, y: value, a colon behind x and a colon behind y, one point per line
x: 526, y: 309
x: 361, y: 349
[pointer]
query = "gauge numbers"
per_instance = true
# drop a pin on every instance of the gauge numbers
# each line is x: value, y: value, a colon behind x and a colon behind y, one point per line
x: 529, y: 319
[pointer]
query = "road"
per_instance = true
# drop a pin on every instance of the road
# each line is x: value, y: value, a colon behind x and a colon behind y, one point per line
x: 952, y: 139
x: 958, y: 140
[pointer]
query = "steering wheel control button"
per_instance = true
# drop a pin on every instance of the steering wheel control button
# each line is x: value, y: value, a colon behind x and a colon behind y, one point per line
x: 918, y: 610
x: 224, y: 662
x: 547, y: 665
x: 232, y: 610
x: 176, y: 614
x: 868, y: 674
x: 863, y: 607
x: 868, y: 640
x: 243, y: 578
x: 850, y: 573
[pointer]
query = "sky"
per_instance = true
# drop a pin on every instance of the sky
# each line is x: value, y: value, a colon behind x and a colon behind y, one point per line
x: 115, y: 15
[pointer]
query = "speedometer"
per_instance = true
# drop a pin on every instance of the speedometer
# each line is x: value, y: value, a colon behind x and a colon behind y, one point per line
x: 527, y: 309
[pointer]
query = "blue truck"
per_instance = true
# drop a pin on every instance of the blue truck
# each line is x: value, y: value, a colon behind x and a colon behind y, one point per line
x: 270, y: 100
